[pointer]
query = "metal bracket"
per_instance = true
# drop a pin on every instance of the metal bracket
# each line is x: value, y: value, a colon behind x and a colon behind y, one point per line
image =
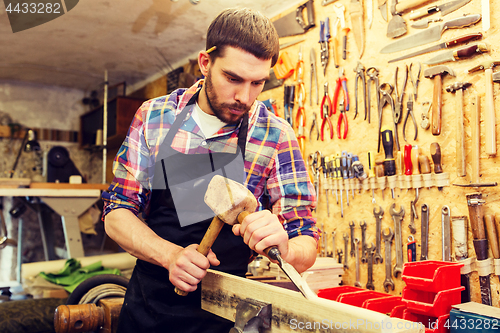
x: 252, y: 316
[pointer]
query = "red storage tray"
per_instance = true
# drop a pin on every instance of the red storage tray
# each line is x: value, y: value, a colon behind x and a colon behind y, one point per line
x: 358, y: 298
x: 398, y: 310
x: 384, y: 304
x: 432, y: 275
x: 432, y: 324
x: 334, y: 293
x: 430, y: 303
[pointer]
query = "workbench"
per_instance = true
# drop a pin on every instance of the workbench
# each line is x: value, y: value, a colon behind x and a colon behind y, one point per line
x: 69, y: 201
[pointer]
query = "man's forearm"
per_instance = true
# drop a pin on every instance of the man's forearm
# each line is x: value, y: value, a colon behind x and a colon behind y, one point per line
x: 302, y: 252
x: 135, y: 237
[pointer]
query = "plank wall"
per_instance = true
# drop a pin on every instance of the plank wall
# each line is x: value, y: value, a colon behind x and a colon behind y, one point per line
x: 362, y: 136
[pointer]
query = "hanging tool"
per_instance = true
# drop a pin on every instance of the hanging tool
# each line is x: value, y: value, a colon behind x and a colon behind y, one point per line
x: 289, y: 103
x: 396, y: 26
x: 460, y: 54
x: 324, y: 37
x: 408, y: 172
x: 445, y: 45
x: 338, y: 177
x: 339, y: 11
x: 446, y: 233
x: 324, y: 167
x: 425, y: 165
x: 360, y: 75
x: 476, y: 149
x: 424, y: 234
x: 326, y: 109
x: 425, y: 123
x: 314, y: 160
x: 381, y: 179
x: 485, y: 10
x: 285, y: 45
x: 459, y: 88
x: 341, y: 82
x: 345, y: 174
x: 358, y: 26
x: 436, y: 158
x: 416, y: 176
x: 372, y: 73
x: 436, y: 74
x: 296, y: 23
x: 398, y: 100
x: 389, y: 161
x: 314, y: 126
x: 350, y: 172
x: 445, y: 9
x: 409, y: 112
x: 332, y: 175
x: 385, y: 91
x: 411, y: 249
x: 430, y: 35
x: 382, y: 5
x: 474, y: 203
x: 459, y: 231
x: 300, y: 119
x: 489, y: 118
x: 314, y: 78
x: 414, y: 82
x: 342, y: 118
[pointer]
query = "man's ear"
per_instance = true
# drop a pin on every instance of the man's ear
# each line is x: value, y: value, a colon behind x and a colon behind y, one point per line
x: 204, y: 62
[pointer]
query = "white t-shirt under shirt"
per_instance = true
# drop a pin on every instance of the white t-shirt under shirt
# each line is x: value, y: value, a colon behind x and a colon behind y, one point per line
x: 208, y: 124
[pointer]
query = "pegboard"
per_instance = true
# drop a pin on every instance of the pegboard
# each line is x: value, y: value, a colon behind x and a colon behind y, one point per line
x: 362, y: 136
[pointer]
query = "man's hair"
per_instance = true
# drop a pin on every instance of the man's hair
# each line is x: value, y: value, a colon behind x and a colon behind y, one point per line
x: 245, y: 29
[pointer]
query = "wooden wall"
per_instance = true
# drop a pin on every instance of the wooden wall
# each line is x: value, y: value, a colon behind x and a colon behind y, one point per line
x: 362, y: 136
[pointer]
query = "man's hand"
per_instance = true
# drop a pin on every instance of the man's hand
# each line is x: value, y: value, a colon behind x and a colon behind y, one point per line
x: 189, y: 266
x: 261, y: 230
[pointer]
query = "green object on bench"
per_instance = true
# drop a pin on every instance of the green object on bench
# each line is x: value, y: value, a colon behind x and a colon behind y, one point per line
x: 72, y: 274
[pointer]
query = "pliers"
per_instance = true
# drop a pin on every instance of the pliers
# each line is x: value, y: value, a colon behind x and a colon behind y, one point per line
x: 341, y: 82
x: 324, y: 37
x: 409, y: 108
x: 314, y: 125
x: 398, y: 101
x: 385, y: 98
x: 342, y: 117
x: 360, y: 74
x: 414, y: 83
x: 326, y: 112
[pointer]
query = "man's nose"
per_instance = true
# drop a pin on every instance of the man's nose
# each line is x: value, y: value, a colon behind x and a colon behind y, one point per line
x: 243, y: 94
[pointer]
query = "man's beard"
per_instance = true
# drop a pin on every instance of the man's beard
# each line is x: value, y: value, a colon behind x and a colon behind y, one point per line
x: 221, y: 110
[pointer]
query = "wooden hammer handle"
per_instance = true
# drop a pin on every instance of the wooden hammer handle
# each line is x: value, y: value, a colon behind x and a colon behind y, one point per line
x: 476, y: 216
x: 437, y: 102
x: 491, y: 230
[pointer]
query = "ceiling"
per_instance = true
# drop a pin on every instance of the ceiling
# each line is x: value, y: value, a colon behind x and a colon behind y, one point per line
x: 135, y: 41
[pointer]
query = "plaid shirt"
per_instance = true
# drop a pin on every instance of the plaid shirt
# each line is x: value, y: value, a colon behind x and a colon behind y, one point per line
x: 274, y: 168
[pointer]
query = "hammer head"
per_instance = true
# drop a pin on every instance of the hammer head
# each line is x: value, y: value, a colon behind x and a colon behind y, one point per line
x: 458, y: 86
x: 228, y: 199
x: 438, y: 70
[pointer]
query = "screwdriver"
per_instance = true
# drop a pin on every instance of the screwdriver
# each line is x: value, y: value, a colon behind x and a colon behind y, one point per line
x: 389, y: 162
x: 380, y: 172
x: 325, y: 183
x: 345, y: 174
x: 415, y: 171
x: 400, y: 166
x: 371, y: 174
x: 425, y: 166
x: 407, y: 165
x: 338, y: 176
x: 358, y: 170
x: 331, y: 174
x: 436, y: 158
x: 350, y: 172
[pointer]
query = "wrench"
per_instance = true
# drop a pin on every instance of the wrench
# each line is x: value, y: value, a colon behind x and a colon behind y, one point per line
x: 424, y: 236
x: 358, y: 273
x: 446, y: 232
x: 324, y: 251
x: 339, y: 255
x: 333, y: 244
x: 378, y: 216
x: 346, y: 245
x: 398, y: 221
x: 351, y: 225
x: 370, y: 251
x: 363, y: 241
x: 388, y: 276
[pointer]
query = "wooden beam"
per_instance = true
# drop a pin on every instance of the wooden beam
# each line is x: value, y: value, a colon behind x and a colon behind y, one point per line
x: 291, y: 312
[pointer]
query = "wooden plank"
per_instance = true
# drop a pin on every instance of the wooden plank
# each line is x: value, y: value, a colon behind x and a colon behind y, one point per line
x: 44, y: 192
x: 14, y: 182
x: 291, y: 312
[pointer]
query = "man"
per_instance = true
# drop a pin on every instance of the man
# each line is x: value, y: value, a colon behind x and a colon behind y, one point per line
x: 214, y: 127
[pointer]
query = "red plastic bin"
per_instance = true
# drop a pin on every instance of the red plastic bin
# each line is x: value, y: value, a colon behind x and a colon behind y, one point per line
x: 432, y: 275
x: 432, y: 324
x: 333, y: 293
x: 384, y: 304
x: 430, y: 303
x: 398, y: 310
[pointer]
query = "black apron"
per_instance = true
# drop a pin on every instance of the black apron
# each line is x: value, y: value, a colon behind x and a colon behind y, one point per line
x: 179, y: 215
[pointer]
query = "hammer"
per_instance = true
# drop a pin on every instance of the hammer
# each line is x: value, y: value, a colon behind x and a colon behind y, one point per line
x: 459, y: 88
x: 489, y: 117
x: 231, y: 203
x: 436, y: 73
